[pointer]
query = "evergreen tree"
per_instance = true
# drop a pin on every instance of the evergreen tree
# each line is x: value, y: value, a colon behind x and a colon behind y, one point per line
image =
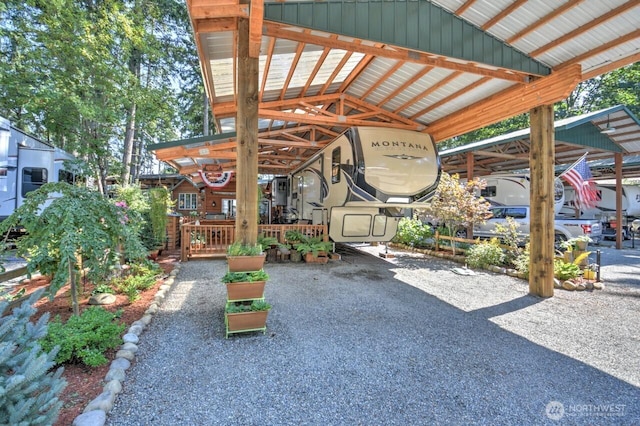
x: 29, y: 390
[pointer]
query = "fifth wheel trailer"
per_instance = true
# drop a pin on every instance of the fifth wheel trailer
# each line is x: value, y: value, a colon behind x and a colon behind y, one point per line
x: 361, y: 182
x: 26, y: 163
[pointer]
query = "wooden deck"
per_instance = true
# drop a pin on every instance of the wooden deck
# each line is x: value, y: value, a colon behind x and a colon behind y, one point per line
x: 212, y: 238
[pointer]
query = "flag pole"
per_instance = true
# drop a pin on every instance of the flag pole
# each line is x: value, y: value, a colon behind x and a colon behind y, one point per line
x: 574, y: 164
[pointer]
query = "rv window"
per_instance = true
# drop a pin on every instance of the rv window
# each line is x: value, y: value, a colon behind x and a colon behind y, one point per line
x: 335, y: 165
x: 32, y: 179
x: 65, y: 176
x: 187, y: 201
x: 3, y: 172
x: 489, y: 191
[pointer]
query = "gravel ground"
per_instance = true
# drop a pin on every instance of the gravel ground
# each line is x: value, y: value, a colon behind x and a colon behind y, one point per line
x: 369, y: 341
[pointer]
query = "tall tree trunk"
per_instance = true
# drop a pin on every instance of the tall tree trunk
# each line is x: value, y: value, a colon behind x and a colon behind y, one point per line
x: 125, y: 178
x: 134, y: 68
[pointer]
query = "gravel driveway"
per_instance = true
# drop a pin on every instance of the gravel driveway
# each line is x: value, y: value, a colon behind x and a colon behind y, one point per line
x: 369, y: 341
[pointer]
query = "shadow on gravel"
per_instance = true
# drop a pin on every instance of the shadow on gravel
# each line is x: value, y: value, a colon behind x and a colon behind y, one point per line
x: 508, y: 307
x: 349, y: 344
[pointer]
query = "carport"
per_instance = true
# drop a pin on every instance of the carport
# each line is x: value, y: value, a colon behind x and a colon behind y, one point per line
x: 607, y: 135
x: 284, y: 78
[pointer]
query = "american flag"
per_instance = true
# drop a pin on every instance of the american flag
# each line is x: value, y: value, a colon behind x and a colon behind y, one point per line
x: 580, y: 178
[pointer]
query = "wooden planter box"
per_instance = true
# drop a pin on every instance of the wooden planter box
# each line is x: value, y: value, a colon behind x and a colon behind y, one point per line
x: 245, y: 263
x: 245, y: 321
x: 321, y: 258
x: 245, y: 291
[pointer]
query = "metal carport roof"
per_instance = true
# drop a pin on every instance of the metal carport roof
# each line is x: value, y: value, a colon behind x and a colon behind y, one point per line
x: 442, y: 66
x: 600, y: 133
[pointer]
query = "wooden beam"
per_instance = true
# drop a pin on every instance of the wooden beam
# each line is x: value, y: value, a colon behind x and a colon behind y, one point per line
x: 451, y: 97
x: 594, y: 72
x: 337, y: 120
x: 540, y: 22
x: 256, y: 17
x: 247, y: 130
x: 500, y: 16
x: 219, y: 11
x: 585, y: 27
x: 464, y: 7
x: 603, y: 48
x: 542, y: 202
x: 508, y: 103
x: 425, y: 58
x: 618, y: 166
x: 214, y: 25
x: 417, y: 76
x: 292, y: 69
x: 448, y: 79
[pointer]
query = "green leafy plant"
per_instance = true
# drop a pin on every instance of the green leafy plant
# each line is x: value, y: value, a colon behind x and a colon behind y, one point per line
x: 293, y: 236
x: 238, y: 277
x: 313, y: 245
x: 485, y: 253
x: 565, y: 271
x: 413, y: 232
x: 247, y: 306
x: 510, y: 236
x: 239, y: 249
x: 103, y: 288
x: 267, y: 241
x: 133, y: 284
x: 572, y: 243
x: 78, y: 224
x: 521, y: 262
x: 30, y: 386
x: 84, y: 338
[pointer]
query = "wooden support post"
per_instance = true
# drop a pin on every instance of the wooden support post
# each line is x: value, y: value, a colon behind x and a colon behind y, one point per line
x: 541, y: 162
x: 247, y: 130
x: 470, y: 166
x: 618, y: 165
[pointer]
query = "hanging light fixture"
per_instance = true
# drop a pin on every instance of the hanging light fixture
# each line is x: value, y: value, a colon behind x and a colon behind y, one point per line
x: 608, y: 130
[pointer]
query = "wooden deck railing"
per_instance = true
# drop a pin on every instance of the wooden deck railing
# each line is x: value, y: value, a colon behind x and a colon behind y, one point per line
x: 208, y: 240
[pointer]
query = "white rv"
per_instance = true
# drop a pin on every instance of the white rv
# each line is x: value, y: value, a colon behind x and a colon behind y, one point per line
x: 26, y: 163
x: 360, y: 183
x: 514, y: 189
x: 605, y: 208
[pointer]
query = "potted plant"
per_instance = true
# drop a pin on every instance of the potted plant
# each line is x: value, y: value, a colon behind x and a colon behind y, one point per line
x: 577, y: 243
x: 293, y: 236
x: 314, y: 249
x: 270, y: 245
x: 245, y: 257
x: 246, y: 316
x: 245, y: 285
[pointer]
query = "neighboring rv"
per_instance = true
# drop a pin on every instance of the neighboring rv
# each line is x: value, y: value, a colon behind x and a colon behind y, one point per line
x: 605, y: 208
x: 26, y: 163
x: 360, y: 183
x: 514, y: 189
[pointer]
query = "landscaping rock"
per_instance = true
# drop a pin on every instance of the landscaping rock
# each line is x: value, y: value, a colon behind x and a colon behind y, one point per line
x: 102, y: 299
x: 569, y: 285
x: 91, y: 418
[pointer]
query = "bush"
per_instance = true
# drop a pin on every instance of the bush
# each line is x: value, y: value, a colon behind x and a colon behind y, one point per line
x: 521, y: 262
x: 133, y: 284
x: 565, y: 271
x: 485, y: 253
x: 85, y: 338
x: 29, y: 387
x: 412, y: 232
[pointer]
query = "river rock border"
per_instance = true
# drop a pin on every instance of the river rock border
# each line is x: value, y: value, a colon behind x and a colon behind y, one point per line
x: 557, y: 284
x: 95, y: 413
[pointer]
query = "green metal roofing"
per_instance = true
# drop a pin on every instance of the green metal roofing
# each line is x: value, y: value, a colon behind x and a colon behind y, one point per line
x: 414, y: 24
x: 221, y: 137
x: 579, y: 130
